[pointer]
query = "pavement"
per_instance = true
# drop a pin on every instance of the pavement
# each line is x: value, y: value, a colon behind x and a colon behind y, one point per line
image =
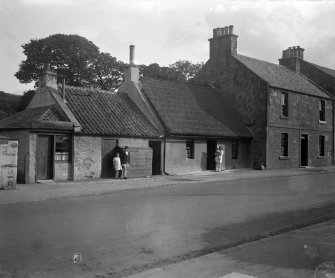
x: 303, y: 253
x: 56, y: 190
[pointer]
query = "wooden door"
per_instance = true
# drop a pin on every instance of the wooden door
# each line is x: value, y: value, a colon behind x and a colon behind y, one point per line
x: 108, y: 150
x: 44, y: 158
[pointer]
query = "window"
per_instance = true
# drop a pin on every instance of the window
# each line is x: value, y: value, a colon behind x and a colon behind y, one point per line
x: 284, y: 104
x: 321, y: 145
x: 322, y: 110
x: 284, y: 144
x: 62, y: 147
x: 190, y: 149
x: 234, y: 150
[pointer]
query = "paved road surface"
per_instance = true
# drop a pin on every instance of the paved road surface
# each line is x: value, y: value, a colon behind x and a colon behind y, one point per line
x: 139, y: 229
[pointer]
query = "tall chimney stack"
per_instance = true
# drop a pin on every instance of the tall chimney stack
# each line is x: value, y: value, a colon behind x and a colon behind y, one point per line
x: 48, y: 77
x: 132, y: 72
x: 292, y: 57
x: 223, y: 43
x: 132, y: 55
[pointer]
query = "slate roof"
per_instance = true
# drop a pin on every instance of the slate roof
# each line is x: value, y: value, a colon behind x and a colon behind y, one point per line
x: 195, y: 110
x: 281, y: 77
x: 46, y: 117
x: 107, y: 113
x: 330, y: 72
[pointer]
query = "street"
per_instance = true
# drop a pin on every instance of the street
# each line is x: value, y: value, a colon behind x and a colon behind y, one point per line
x: 125, y: 232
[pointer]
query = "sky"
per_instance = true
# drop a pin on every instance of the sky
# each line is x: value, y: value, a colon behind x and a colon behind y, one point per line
x: 165, y: 31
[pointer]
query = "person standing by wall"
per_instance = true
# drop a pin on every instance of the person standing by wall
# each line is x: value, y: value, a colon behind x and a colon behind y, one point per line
x: 117, y: 166
x: 125, y: 161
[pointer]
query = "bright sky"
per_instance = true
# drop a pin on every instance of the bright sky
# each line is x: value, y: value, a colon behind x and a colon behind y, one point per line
x: 166, y: 31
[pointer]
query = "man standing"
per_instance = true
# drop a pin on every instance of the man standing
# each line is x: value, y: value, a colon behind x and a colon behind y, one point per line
x: 125, y: 161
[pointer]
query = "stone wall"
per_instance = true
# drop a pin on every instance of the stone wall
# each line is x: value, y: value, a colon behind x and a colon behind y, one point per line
x: 87, y: 157
x: 303, y: 118
x: 8, y: 162
x: 23, y: 153
x: 249, y: 94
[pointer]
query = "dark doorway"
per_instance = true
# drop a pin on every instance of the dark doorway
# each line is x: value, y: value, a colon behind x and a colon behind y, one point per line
x: 108, y: 151
x: 44, y: 157
x: 156, y: 157
x: 304, y: 150
x: 211, y: 147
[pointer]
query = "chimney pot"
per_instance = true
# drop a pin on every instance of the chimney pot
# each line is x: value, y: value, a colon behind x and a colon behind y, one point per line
x: 231, y: 29
x: 226, y: 30
x: 131, y: 54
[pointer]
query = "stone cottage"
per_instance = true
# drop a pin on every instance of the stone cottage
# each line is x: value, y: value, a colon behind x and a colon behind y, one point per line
x: 193, y: 120
x: 290, y: 117
x: 70, y: 133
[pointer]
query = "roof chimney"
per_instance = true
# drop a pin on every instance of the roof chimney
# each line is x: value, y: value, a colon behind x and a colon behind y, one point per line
x: 224, y: 42
x: 48, y: 78
x: 131, y: 54
x: 132, y: 72
x: 291, y: 58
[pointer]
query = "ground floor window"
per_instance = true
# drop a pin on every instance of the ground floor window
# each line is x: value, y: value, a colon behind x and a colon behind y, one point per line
x: 284, y: 144
x: 321, y: 145
x: 62, y: 147
x: 234, y: 150
x: 190, y: 149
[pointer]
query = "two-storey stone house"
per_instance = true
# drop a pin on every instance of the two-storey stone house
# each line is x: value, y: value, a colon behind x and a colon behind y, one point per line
x: 290, y: 117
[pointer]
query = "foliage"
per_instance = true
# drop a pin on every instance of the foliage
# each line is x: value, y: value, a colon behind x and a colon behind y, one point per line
x: 182, y: 70
x: 8, y: 104
x: 186, y: 68
x: 75, y: 58
x: 25, y: 99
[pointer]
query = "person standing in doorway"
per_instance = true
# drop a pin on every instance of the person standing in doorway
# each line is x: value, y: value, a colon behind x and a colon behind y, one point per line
x: 218, y: 158
x: 117, y: 166
x: 125, y: 161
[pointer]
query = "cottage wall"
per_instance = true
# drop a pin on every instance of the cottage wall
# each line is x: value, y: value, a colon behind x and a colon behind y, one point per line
x: 176, y: 161
x: 8, y: 162
x: 87, y: 157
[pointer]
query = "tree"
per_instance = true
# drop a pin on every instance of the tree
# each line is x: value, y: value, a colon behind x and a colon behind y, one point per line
x: 75, y: 58
x: 107, y: 72
x: 182, y: 70
x: 186, y: 68
x: 25, y: 99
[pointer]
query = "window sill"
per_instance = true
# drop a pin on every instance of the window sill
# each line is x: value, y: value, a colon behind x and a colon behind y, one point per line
x: 321, y: 157
x: 284, y: 157
x: 284, y: 117
x: 62, y: 161
x: 322, y: 122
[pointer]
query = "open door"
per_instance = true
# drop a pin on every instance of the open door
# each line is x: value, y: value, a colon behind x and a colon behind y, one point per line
x: 304, y: 150
x: 211, y: 147
x: 156, y: 157
x: 108, y: 151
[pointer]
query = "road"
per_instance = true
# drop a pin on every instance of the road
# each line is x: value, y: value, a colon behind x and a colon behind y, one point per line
x: 128, y: 231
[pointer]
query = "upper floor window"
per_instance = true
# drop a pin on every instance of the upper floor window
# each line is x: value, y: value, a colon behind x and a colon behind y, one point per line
x: 234, y: 150
x: 62, y: 147
x: 284, y: 144
x: 284, y: 104
x: 190, y: 149
x: 321, y: 145
x: 322, y: 110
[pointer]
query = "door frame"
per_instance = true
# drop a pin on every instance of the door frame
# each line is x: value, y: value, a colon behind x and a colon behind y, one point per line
x: 210, y: 163
x: 51, y: 162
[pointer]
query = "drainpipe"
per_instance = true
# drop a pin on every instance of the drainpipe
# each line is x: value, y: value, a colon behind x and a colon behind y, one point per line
x: 164, y: 157
x: 63, y: 90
